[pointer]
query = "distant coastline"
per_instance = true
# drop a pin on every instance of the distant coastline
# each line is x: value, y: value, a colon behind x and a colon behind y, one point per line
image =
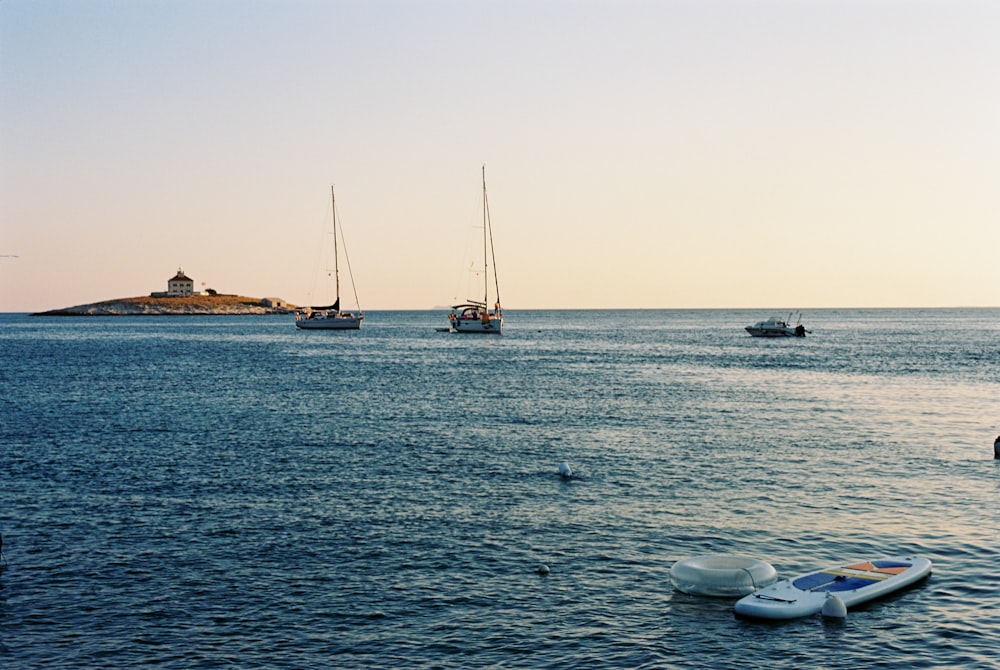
x: 187, y: 305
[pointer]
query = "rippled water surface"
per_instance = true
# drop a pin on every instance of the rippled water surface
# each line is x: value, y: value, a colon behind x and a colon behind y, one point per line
x: 201, y: 492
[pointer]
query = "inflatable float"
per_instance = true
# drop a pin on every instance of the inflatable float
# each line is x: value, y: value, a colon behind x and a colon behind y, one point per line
x: 722, y: 575
x: 850, y: 584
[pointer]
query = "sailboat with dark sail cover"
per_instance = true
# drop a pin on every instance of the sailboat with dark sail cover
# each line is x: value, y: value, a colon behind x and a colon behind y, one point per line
x: 475, y: 316
x: 331, y: 317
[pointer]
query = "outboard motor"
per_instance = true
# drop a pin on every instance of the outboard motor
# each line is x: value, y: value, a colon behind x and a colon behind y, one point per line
x: 800, y: 330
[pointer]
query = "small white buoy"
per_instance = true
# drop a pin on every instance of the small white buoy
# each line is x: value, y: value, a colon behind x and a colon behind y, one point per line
x: 834, y: 607
x: 565, y: 471
x: 542, y: 569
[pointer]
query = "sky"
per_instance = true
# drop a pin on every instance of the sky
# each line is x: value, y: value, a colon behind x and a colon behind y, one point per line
x: 781, y: 154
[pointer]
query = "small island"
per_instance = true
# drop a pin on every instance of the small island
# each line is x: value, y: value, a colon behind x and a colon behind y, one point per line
x: 179, y: 299
x: 174, y: 306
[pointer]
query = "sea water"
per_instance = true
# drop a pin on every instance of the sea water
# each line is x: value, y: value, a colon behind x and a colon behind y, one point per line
x: 205, y: 492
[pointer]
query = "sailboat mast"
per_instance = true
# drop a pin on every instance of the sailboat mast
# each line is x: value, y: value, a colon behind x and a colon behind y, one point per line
x: 490, y: 254
x: 486, y: 265
x: 336, y: 260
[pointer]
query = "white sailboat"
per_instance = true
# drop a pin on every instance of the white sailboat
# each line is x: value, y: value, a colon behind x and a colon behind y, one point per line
x: 474, y: 316
x: 331, y: 317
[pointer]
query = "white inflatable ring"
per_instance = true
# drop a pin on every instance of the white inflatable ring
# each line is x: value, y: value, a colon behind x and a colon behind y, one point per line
x: 721, y: 575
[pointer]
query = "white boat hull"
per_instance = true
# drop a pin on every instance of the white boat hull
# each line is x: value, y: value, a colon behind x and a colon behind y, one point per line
x: 493, y: 326
x: 770, y: 332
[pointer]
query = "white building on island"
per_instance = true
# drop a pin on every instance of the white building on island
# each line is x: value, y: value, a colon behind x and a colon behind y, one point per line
x: 179, y: 284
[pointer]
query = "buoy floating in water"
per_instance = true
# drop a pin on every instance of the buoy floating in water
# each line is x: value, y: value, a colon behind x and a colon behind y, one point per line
x: 565, y: 471
x: 834, y: 607
x: 542, y: 569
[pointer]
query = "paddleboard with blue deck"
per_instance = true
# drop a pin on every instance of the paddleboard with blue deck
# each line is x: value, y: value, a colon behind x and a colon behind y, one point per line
x: 853, y: 584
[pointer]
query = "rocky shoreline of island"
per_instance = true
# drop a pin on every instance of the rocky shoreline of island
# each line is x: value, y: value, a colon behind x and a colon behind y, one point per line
x: 188, y: 305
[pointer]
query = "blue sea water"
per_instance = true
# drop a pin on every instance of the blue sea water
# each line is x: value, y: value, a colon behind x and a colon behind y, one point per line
x: 207, y: 492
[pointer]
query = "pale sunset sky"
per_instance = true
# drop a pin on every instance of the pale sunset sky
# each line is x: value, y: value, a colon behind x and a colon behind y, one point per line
x: 780, y: 154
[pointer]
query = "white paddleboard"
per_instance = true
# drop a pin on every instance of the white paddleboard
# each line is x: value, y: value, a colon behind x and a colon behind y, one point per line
x: 854, y: 584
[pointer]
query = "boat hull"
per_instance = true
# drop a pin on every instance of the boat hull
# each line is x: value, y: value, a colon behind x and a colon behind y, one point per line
x: 493, y: 326
x: 770, y: 332
x: 330, y: 323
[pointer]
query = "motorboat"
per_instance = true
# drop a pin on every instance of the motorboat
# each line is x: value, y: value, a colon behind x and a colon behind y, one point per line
x: 776, y: 327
